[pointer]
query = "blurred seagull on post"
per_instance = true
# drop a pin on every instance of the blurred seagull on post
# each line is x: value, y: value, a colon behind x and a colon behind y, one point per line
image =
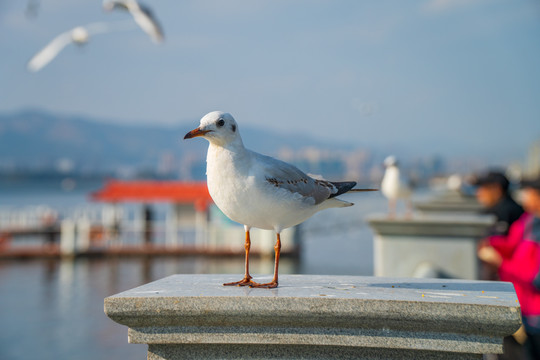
x: 260, y: 191
x: 78, y: 36
x: 394, y: 187
x: 142, y: 15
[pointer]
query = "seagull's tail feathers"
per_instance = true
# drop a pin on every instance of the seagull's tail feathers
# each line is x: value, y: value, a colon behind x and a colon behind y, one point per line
x: 342, y: 187
x: 336, y: 203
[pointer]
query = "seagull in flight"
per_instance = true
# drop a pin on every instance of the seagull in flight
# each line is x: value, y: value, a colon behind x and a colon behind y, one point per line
x: 259, y: 191
x: 78, y: 36
x: 394, y: 187
x: 142, y: 15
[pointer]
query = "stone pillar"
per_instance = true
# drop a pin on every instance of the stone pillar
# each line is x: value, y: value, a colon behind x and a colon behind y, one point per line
x: 67, y: 237
x: 201, y: 228
x: 171, y: 226
x: 83, y: 235
x: 428, y: 246
x: 317, y: 317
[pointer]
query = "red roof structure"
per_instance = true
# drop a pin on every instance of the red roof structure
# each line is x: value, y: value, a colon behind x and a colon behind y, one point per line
x: 148, y: 191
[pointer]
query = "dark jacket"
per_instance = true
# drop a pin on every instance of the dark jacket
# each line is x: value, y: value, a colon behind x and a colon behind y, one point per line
x: 507, y: 211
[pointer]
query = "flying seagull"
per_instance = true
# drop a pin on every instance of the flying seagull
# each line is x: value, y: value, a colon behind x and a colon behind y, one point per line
x: 394, y: 187
x: 142, y: 15
x: 260, y: 191
x: 78, y: 36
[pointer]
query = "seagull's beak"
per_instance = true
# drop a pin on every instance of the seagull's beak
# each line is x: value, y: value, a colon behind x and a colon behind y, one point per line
x: 196, y: 132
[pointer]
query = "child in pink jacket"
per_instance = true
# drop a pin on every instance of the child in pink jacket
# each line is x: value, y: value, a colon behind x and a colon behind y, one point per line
x: 517, y: 258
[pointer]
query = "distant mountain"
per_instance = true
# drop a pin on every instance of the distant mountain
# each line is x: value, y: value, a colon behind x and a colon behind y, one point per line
x: 39, y: 139
x: 35, y: 139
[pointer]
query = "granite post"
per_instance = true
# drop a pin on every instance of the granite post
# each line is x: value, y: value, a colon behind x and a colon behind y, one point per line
x: 318, y: 317
x: 428, y: 246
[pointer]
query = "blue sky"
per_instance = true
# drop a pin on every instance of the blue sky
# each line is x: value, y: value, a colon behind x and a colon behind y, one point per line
x: 451, y: 77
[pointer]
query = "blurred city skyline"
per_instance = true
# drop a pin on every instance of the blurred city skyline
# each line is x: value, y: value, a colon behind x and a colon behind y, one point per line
x: 58, y: 146
x: 450, y: 78
x: 47, y: 146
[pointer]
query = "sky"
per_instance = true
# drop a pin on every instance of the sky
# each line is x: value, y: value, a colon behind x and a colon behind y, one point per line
x: 447, y: 77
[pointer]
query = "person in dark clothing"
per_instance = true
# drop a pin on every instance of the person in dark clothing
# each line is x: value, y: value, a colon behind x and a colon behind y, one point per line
x: 517, y: 259
x: 492, y: 193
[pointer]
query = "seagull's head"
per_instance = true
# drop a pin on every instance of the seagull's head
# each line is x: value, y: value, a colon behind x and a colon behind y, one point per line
x: 79, y: 35
x: 218, y: 127
x: 390, y: 161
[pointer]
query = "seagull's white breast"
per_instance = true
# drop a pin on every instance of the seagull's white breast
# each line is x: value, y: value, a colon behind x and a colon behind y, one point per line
x: 392, y: 186
x: 238, y: 186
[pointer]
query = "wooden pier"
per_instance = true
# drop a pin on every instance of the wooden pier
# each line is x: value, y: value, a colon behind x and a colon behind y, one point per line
x: 145, y: 250
x: 48, y: 244
x: 188, y: 228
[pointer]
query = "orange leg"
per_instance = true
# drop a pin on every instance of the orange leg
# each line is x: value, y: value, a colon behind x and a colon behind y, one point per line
x: 409, y: 212
x: 247, y: 278
x: 392, y: 208
x: 274, y: 282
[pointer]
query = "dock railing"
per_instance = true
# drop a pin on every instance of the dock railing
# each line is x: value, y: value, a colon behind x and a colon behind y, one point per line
x: 108, y: 229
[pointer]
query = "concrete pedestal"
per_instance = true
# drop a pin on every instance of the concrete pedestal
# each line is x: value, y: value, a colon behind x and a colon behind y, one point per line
x: 428, y: 246
x: 317, y: 317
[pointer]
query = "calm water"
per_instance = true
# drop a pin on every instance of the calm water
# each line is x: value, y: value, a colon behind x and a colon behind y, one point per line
x: 54, y: 309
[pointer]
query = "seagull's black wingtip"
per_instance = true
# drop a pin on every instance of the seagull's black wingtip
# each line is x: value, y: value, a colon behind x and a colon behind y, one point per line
x: 343, y: 187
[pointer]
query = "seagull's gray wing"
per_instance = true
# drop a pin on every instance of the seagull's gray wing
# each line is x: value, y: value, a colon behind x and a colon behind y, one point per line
x: 49, y: 52
x: 142, y: 15
x: 148, y: 22
x: 115, y: 4
x: 286, y: 176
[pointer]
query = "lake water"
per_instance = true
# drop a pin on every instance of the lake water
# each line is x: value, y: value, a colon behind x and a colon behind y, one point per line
x: 52, y: 309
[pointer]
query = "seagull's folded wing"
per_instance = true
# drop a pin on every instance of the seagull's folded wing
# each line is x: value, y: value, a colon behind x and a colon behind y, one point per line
x: 286, y: 176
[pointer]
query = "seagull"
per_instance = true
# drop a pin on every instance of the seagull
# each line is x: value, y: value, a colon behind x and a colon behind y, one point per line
x: 142, y: 15
x: 78, y: 35
x: 454, y: 183
x: 259, y: 191
x: 394, y: 187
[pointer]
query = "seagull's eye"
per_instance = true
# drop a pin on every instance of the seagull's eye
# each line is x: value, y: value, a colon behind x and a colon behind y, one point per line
x: 220, y: 122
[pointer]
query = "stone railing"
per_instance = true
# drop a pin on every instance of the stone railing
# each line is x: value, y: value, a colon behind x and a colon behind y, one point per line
x: 318, y: 317
x: 450, y: 202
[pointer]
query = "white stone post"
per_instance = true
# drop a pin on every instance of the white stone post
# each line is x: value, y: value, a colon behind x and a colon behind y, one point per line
x: 83, y: 235
x: 428, y: 245
x: 201, y: 228
x: 67, y: 237
x: 171, y: 226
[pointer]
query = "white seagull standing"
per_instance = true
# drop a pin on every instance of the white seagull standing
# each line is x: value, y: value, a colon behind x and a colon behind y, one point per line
x: 142, y: 15
x: 78, y: 35
x: 394, y: 187
x: 260, y: 191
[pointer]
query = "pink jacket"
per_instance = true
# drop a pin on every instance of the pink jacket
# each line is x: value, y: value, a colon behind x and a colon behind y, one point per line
x: 521, y: 262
